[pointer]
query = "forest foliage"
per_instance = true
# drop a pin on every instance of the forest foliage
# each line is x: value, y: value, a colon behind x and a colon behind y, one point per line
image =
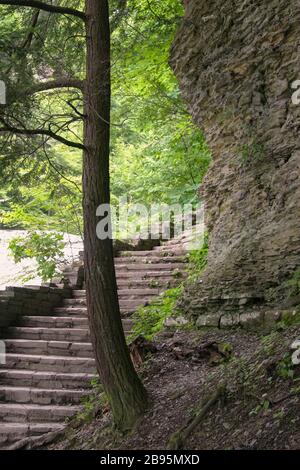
x: 157, y: 154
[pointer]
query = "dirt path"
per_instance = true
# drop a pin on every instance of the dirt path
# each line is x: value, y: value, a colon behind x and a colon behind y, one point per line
x: 260, y: 409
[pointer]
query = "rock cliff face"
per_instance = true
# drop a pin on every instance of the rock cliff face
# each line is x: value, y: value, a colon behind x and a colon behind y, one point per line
x: 236, y: 61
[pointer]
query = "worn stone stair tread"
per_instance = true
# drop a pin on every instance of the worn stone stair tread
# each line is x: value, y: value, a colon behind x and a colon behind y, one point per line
x: 63, y: 323
x: 25, y: 328
x: 11, y: 432
x: 152, y: 253
x: 148, y: 260
x: 37, y: 427
x: 146, y: 267
x: 76, y: 334
x: 82, y: 310
x: 132, y: 285
x: 53, y: 322
x: 45, y: 374
x: 39, y: 413
x: 134, y: 292
x: 40, y: 396
x: 55, y: 334
x: 75, y: 360
x: 138, y: 292
x: 131, y: 303
x: 146, y: 273
x: 46, y: 379
x: 9, y: 406
x: 50, y: 363
x: 70, y: 348
x: 140, y: 282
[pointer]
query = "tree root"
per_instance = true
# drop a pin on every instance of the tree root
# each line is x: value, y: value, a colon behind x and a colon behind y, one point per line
x: 178, y: 439
x: 36, y: 442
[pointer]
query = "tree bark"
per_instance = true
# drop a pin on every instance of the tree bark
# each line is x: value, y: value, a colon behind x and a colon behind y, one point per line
x: 125, y: 392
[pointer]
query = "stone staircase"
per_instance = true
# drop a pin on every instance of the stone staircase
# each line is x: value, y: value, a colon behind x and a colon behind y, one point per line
x: 49, y: 361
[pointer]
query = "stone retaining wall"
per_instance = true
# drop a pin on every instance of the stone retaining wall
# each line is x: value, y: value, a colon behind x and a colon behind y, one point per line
x: 19, y: 301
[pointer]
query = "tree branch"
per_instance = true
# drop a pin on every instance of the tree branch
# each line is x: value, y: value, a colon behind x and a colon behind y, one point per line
x: 53, y: 84
x: 28, y: 40
x: 45, y: 7
x: 48, y: 86
x: 45, y: 132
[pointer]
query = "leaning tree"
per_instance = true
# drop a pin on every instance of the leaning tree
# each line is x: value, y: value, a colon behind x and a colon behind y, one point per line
x: 35, y: 75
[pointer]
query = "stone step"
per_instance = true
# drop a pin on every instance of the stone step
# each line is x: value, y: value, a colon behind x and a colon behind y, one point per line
x: 175, y: 248
x: 146, y: 275
x: 62, y: 364
x: 125, y: 304
x: 125, y: 293
x: 13, y: 432
x: 135, y: 286
x: 50, y: 334
x: 154, y: 253
x: 149, y: 283
x: 58, y: 333
x: 79, y: 293
x: 81, y: 311
x: 40, y: 396
x: 54, y: 322
x: 131, y: 275
x: 11, y: 412
x: 46, y: 380
x: 49, y: 348
x: 159, y: 267
x: 149, y: 260
x: 145, y: 269
x: 61, y: 322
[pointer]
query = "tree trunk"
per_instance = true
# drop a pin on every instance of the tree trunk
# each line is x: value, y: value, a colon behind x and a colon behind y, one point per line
x: 125, y: 392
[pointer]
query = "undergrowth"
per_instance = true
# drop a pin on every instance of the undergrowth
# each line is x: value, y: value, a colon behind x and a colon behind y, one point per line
x: 293, y: 284
x: 198, y: 260
x: 149, y: 320
x: 92, y: 403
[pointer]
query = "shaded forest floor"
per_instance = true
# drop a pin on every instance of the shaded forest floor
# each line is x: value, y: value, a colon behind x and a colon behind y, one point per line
x: 260, y: 410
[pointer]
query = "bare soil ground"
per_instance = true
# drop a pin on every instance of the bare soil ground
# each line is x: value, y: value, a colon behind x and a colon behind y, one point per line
x: 260, y: 409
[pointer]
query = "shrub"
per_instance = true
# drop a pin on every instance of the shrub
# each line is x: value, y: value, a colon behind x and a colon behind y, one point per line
x: 198, y: 259
x: 150, y: 320
x: 45, y: 248
x: 294, y: 284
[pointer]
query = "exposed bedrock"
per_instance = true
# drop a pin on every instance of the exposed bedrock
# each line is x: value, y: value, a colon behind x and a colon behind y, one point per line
x: 236, y: 62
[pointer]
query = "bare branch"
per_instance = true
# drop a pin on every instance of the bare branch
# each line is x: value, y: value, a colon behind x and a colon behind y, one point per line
x: 45, y: 132
x: 53, y: 84
x: 48, y: 86
x: 28, y: 40
x: 69, y: 103
x: 45, y: 7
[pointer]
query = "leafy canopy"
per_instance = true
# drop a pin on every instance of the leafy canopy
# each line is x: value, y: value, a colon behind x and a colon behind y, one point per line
x: 157, y: 154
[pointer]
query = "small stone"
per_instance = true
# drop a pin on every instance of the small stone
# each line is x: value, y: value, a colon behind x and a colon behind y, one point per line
x: 179, y: 321
x: 208, y: 320
x: 252, y: 319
